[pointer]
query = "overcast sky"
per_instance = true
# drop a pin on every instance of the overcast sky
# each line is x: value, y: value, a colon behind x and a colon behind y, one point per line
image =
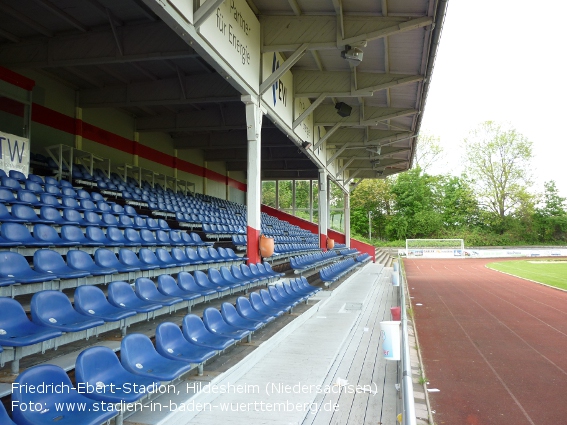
x: 503, y: 60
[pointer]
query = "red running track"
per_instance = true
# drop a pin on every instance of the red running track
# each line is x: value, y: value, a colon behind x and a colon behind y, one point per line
x: 493, y: 344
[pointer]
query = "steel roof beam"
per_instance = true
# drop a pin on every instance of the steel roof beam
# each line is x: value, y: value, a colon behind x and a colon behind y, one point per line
x: 62, y: 14
x: 335, y: 87
x: 204, y: 11
x: 207, y: 88
x: 287, y: 33
x: 97, y: 47
x: 24, y: 19
x: 284, y: 67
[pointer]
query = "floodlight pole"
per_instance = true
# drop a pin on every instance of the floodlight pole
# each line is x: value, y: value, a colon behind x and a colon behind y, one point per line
x: 370, y: 225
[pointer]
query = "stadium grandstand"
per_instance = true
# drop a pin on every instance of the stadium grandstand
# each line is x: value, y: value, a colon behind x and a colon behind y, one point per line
x: 142, y: 281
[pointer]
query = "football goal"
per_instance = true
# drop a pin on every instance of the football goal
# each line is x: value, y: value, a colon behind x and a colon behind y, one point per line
x: 435, y: 248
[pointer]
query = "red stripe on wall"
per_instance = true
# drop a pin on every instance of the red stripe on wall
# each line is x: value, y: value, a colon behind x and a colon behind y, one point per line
x: 16, y: 79
x: 312, y: 227
x: 12, y: 106
x: 53, y: 119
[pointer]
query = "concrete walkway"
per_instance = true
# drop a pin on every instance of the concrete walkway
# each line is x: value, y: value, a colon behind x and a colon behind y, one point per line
x: 324, y: 367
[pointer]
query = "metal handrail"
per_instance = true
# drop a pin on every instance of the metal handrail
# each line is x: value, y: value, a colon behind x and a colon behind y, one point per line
x: 408, y: 412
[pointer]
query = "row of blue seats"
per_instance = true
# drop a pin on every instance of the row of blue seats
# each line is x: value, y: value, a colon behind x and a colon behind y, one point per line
x: 223, y: 229
x: 309, y: 261
x: 48, y: 215
x: 58, y: 190
x: 52, y: 313
x: 348, y: 251
x: 364, y: 258
x: 16, y: 234
x: 176, y: 352
x: 49, y: 265
x: 338, y: 270
x: 285, y: 248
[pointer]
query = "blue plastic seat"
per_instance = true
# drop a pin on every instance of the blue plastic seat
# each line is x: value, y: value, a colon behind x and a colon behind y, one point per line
x: 115, y: 235
x: 103, y: 207
x: 52, y: 189
x: 15, y: 266
x: 204, y: 255
x: 48, y: 261
x: 274, y: 303
x: 30, y: 198
x: 166, y: 259
x: 35, y: 178
x: 281, y: 297
x: 202, y: 280
x: 168, y: 286
x: 187, y: 282
x: 83, y: 194
x: 4, y: 418
x: 198, y: 241
x: 54, y: 377
x: 130, y: 259
x: 180, y: 257
x: 245, y: 309
x: 68, y: 192
x: 194, y: 331
x: 52, y: 201
x: 237, y: 273
x: 106, y: 258
x: 258, y: 304
x: 175, y: 238
x: 8, y: 197
x: 146, y: 290
x: 231, y: 316
x: 162, y: 238
x: 45, y: 233
x: 216, y: 278
x: 132, y: 237
x: 96, y: 235
x: 10, y: 183
x: 6, y: 217
x: 124, y: 221
x: 95, y: 196
x: 129, y: 210
x: 27, y: 214
x: 193, y: 256
x: 151, y: 224
x: 18, y: 330
x: 99, y: 368
x: 17, y: 175
x: 5, y: 243
x: 74, y: 234
x: 171, y: 343
x: 90, y: 301
x: 247, y: 273
x: 139, y: 222
x: 92, y: 218
x: 121, y: 294
x: 72, y: 216
x: 53, y: 215
x: 215, y: 323
x: 109, y: 220
x: 53, y: 309
x: 148, y: 237
x: 80, y: 260
x: 269, y: 269
x: 52, y: 181
x: 16, y: 232
x: 138, y: 356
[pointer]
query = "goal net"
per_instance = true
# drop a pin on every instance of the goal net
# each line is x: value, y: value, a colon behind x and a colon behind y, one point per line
x: 435, y: 248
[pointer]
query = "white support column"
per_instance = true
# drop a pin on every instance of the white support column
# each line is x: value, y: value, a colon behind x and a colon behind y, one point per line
x: 347, y: 218
x: 254, y: 182
x: 323, y: 209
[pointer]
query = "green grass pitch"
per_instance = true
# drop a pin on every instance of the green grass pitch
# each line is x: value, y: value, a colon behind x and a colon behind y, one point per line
x: 550, y: 272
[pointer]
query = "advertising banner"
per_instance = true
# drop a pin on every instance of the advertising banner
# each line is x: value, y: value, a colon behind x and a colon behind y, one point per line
x: 279, y: 97
x: 233, y: 31
x: 15, y: 153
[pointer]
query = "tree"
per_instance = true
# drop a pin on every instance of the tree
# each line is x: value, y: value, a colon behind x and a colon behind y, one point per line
x: 498, y: 160
x: 372, y: 195
x: 458, y: 203
x: 428, y: 151
x: 551, y: 217
x: 416, y: 206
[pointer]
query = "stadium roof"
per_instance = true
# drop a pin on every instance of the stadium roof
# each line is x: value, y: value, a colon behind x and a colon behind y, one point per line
x: 123, y: 54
